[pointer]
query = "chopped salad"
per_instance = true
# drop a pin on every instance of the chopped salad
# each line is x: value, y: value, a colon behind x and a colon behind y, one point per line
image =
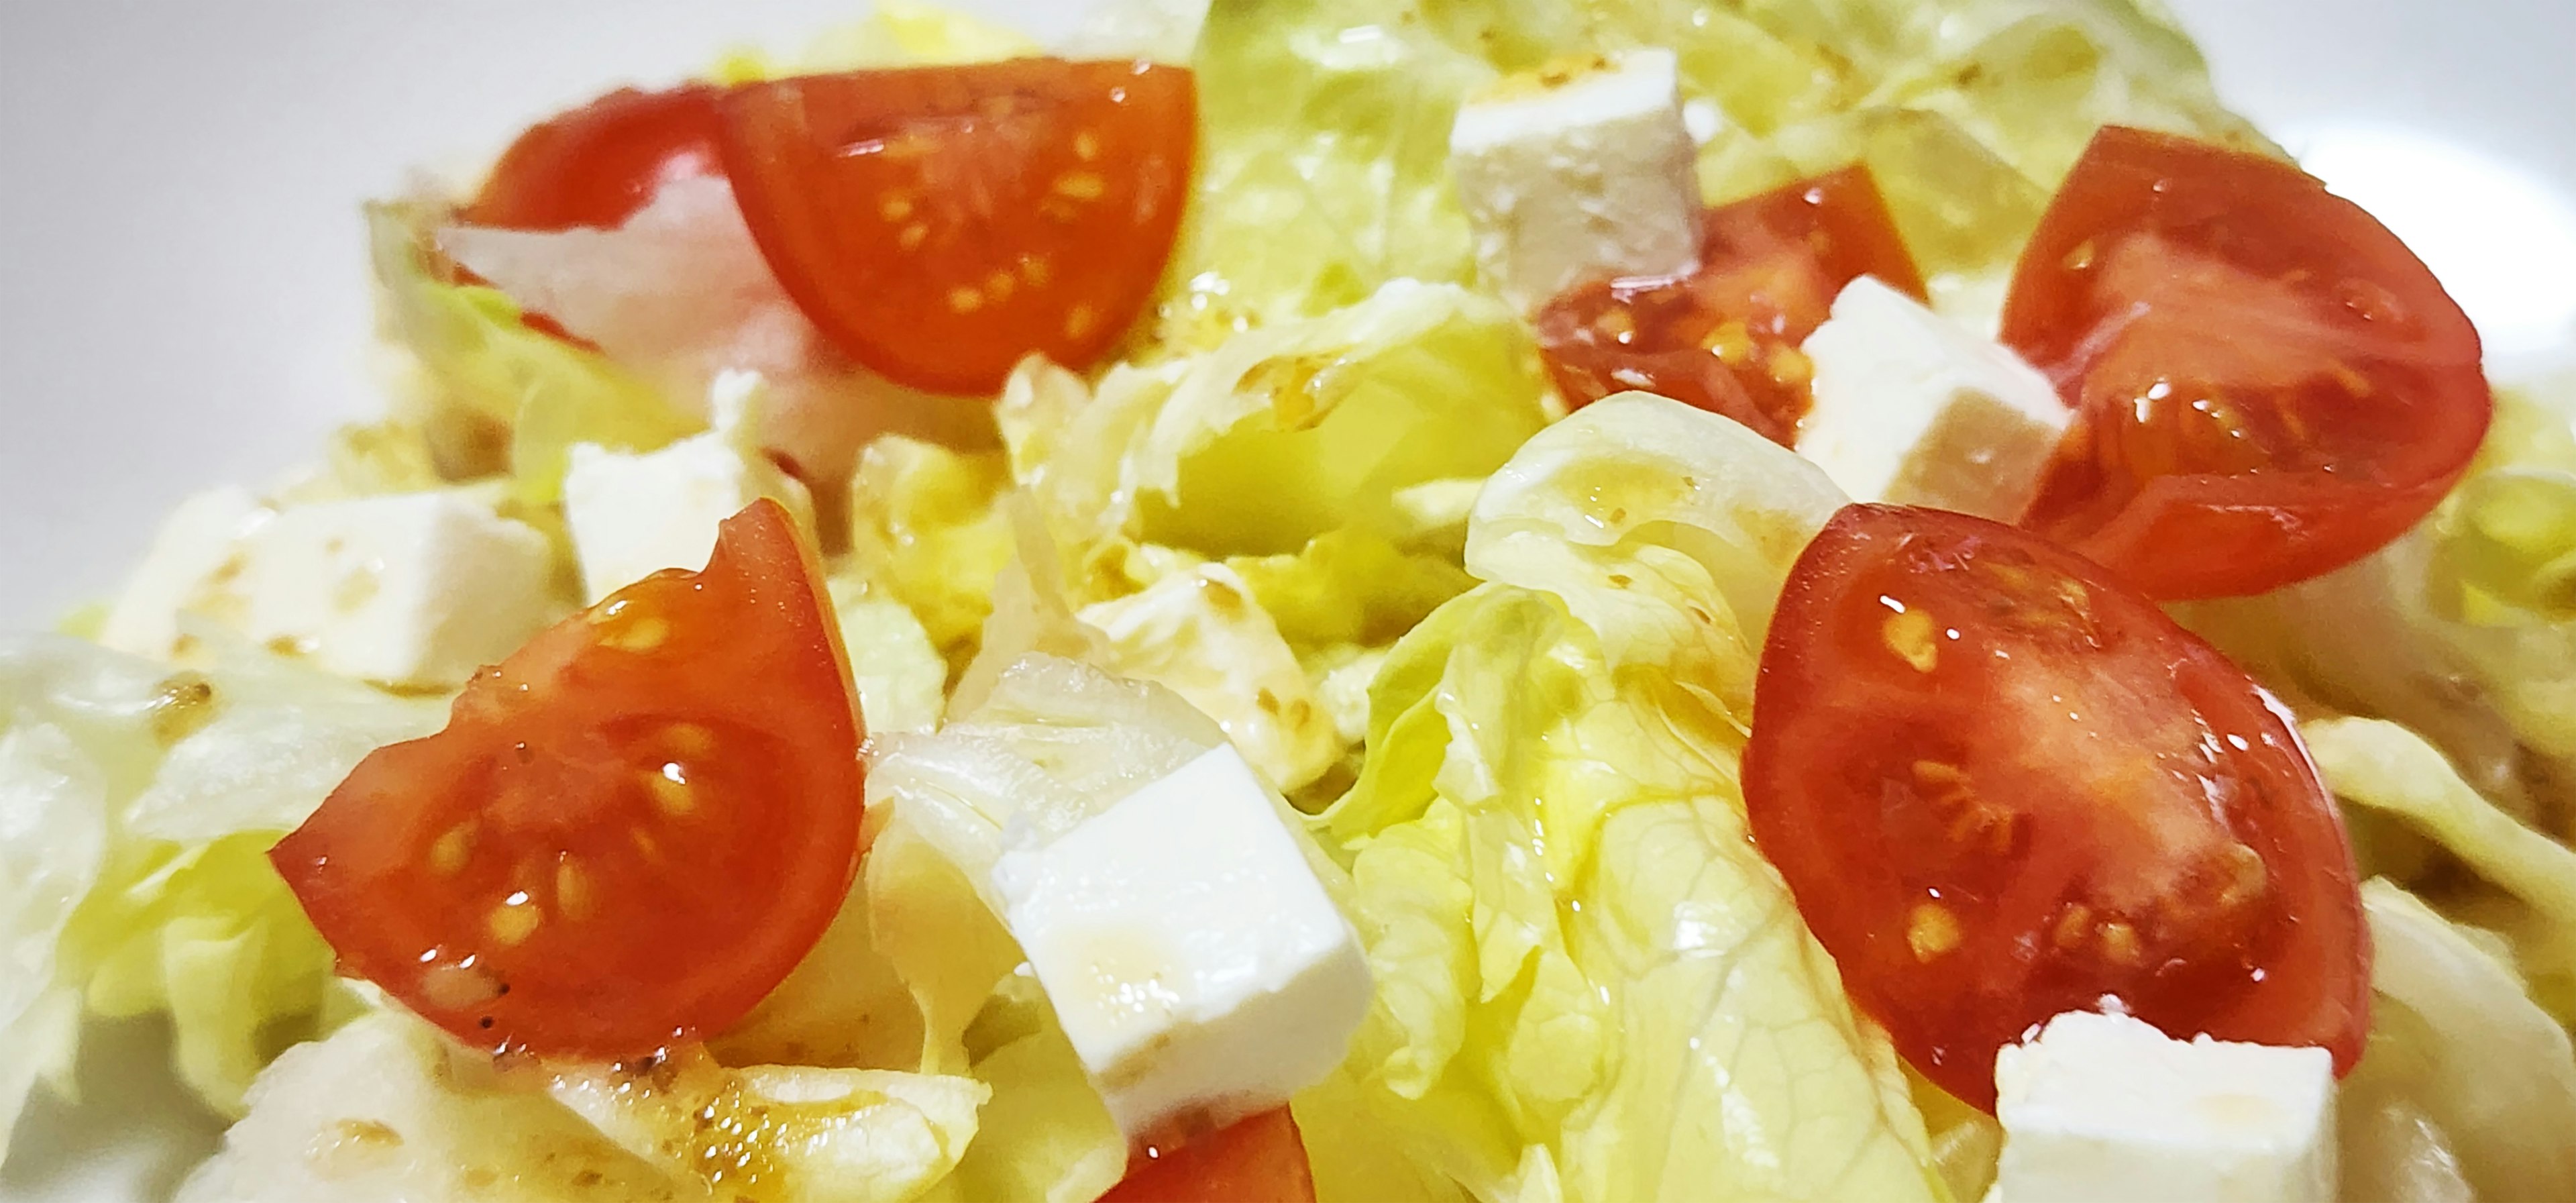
x: 1567, y: 600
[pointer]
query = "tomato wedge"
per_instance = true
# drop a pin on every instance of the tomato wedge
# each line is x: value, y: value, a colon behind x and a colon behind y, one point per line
x: 2003, y: 785
x: 2268, y: 385
x: 597, y: 164
x: 1725, y: 337
x: 940, y: 223
x: 1261, y: 1159
x: 628, y: 832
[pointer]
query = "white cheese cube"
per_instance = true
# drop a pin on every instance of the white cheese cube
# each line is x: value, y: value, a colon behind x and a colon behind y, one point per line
x: 414, y: 589
x: 2104, y: 1107
x: 1195, y: 961
x: 193, y: 556
x: 633, y: 515
x: 1911, y: 408
x: 1577, y: 173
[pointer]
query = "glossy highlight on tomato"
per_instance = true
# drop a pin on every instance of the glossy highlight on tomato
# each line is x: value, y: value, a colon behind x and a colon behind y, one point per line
x: 1259, y: 1159
x: 941, y: 223
x: 1725, y: 337
x: 2003, y: 785
x: 2268, y: 385
x: 629, y: 831
x: 596, y: 165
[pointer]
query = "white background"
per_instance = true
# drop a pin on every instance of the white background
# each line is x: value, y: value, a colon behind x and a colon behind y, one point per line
x: 182, y: 298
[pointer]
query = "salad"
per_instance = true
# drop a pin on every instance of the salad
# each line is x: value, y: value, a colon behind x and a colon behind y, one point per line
x: 1563, y: 600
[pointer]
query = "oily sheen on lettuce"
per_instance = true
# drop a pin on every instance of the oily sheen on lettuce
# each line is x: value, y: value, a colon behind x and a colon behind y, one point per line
x: 1591, y: 986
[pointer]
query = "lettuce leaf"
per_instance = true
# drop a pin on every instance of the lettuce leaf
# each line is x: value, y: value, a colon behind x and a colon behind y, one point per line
x: 387, y: 1110
x: 1282, y: 433
x: 1590, y: 984
x: 2524, y: 882
x: 898, y: 33
x: 925, y: 527
x: 1324, y: 168
x: 2459, y: 629
x: 139, y: 801
x: 2465, y: 1085
x: 790, y: 1133
x: 498, y: 395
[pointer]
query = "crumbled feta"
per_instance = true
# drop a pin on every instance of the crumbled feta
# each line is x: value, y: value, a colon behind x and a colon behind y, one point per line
x: 411, y: 589
x: 1913, y: 409
x: 1576, y: 173
x: 197, y: 550
x: 1195, y: 961
x: 633, y: 515
x: 2104, y: 1107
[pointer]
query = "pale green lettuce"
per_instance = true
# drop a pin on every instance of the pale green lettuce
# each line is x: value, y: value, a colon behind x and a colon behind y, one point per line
x: 495, y: 393
x: 2524, y: 882
x: 2461, y: 629
x: 137, y: 801
x: 2465, y: 1085
x: 1052, y: 743
x: 1590, y: 986
x: 1323, y: 171
x: 1283, y: 433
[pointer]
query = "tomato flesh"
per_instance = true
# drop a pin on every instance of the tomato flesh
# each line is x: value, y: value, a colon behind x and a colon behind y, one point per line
x: 2268, y: 385
x: 941, y: 223
x: 1725, y: 337
x: 1261, y: 1159
x: 2002, y: 786
x: 596, y: 165
x: 629, y: 831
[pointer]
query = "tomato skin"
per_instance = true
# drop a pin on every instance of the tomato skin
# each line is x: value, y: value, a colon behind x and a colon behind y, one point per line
x: 2002, y: 786
x: 2268, y: 385
x: 1260, y: 1159
x: 1725, y: 337
x: 629, y: 831
x: 941, y: 223
x: 596, y: 165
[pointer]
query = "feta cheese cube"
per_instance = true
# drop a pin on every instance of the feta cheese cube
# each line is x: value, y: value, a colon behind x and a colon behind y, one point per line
x: 197, y: 551
x: 1913, y: 409
x: 1579, y: 172
x: 1195, y: 961
x: 2104, y: 1107
x: 633, y: 515
x: 412, y: 589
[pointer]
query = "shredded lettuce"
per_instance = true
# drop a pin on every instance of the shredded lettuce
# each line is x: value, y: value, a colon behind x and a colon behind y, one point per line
x: 499, y: 395
x: 139, y: 800
x: 924, y: 525
x: 1574, y: 939
x: 793, y: 1134
x: 387, y: 1110
x: 898, y: 33
x: 2459, y: 629
x: 1052, y: 744
x: 1282, y: 433
x: 2466, y: 1088
x: 2525, y: 882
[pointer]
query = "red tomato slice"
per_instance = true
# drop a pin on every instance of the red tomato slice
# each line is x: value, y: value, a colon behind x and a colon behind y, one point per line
x: 629, y: 831
x: 2268, y: 385
x: 597, y: 164
x: 2003, y: 785
x: 940, y: 223
x: 1257, y: 1160
x: 1725, y: 337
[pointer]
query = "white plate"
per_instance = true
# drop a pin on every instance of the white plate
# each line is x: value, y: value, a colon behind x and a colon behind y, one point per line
x: 182, y: 299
